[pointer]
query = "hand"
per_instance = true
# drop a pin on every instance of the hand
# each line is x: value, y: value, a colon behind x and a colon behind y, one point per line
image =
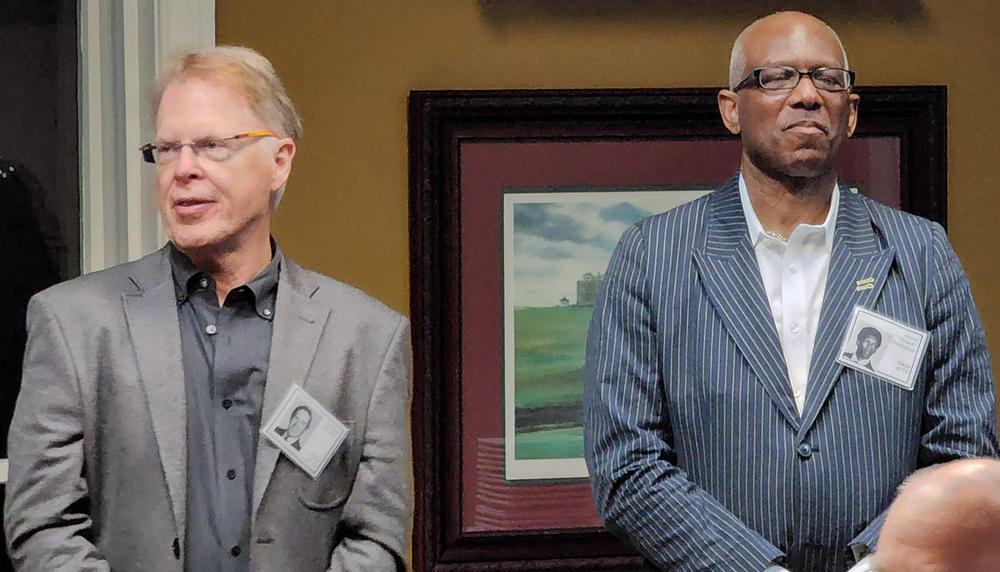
x: 864, y: 565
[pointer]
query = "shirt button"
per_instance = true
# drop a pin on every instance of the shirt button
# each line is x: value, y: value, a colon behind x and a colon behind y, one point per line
x: 793, y: 269
x: 805, y: 450
x: 267, y: 311
x: 211, y: 329
x: 795, y: 328
x: 231, y: 474
x: 235, y: 551
x: 227, y: 403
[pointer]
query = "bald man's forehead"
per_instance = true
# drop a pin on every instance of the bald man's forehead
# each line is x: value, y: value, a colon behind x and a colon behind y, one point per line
x: 782, y: 22
x: 791, y: 39
x: 810, y: 42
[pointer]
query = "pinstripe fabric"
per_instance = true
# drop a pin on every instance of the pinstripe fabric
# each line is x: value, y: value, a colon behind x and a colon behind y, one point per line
x: 692, y: 438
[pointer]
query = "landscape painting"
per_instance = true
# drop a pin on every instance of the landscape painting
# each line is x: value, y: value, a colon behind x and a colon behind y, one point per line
x: 556, y: 248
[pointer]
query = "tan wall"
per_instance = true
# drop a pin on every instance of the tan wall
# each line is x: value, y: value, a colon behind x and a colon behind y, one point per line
x: 349, y: 65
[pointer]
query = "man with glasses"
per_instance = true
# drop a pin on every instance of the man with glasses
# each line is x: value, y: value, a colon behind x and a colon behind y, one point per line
x: 721, y: 431
x: 136, y: 442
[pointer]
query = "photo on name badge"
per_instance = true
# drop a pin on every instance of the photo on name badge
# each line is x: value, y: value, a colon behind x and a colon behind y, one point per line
x: 883, y: 347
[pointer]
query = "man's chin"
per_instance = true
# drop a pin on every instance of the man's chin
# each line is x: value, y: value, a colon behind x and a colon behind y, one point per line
x: 195, y: 240
x: 807, y: 170
x: 801, y: 165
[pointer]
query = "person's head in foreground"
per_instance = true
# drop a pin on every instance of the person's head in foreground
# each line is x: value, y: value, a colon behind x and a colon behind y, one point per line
x: 946, y: 518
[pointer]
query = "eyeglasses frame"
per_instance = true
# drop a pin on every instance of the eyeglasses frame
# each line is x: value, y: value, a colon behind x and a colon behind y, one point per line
x: 147, y: 149
x: 754, y: 78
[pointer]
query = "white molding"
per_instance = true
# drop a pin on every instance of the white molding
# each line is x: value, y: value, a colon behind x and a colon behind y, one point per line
x: 184, y: 24
x: 135, y: 188
x: 121, y: 45
x: 4, y: 466
x: 91, y: 170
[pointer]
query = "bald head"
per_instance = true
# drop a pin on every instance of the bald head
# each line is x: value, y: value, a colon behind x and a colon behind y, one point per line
x: 947, y: 518
x: 769, y: 27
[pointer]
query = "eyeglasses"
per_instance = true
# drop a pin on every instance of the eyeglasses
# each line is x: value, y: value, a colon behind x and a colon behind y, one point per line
x: 778, y: 78
x: 209, y: 147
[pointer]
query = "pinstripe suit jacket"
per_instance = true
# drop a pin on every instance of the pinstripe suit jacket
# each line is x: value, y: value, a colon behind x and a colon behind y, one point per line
x: 697, y: 454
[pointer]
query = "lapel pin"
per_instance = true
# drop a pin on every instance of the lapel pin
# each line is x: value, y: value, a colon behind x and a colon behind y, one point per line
x: 865, y: 284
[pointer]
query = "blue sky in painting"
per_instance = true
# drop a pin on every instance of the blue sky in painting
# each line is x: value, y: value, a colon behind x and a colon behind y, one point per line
x: 557, y: 241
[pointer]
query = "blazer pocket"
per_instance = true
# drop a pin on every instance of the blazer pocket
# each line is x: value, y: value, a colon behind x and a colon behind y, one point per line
x: 327, y: 501
x: 331, y: 489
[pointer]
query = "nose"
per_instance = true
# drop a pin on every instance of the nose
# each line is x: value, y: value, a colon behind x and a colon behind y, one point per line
x: 805, y: 94
x: 186, y: 166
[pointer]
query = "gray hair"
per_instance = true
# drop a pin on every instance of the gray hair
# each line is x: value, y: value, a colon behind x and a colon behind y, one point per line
x: 738, y: 60
x: 244, y: 71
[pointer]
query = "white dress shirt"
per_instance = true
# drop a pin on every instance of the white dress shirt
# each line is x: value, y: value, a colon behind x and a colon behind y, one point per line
x: 794, y: 276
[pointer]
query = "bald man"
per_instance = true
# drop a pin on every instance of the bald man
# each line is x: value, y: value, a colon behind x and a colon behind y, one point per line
x: 945, y: 518
x: 723, y: 428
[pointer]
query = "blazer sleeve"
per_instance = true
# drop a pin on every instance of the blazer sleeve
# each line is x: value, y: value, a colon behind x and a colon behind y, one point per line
x: 378, y: 513
x: 641, y: 493
x: 46, y: 511
x: 960, y: 416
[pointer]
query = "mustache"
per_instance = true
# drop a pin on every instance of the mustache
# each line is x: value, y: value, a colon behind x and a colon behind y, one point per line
x: 807, y: 123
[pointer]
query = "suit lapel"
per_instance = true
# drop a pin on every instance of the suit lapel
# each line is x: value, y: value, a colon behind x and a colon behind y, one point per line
x: 298, y: 324
x: 151, y: 313
x: 728, y: 270
x: 858, y: 254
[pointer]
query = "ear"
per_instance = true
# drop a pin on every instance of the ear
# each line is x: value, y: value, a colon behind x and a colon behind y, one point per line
x: 852, y: 118
x: 283, y: 155
x: 729, y: 110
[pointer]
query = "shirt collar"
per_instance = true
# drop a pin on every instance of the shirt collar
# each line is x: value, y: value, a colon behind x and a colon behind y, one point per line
x: 263, y: 288
x: 756, y: 230
x: 184, y: 273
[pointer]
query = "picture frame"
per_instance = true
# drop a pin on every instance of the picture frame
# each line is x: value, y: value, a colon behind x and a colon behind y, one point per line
x: 466, y: 147
x: 556, y: 244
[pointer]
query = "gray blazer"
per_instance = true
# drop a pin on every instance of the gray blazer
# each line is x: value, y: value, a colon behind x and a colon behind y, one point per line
x: 97, y: 447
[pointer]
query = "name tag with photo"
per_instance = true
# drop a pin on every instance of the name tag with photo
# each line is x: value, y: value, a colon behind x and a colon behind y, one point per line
x: 883, y: 347
x: 305, y: 431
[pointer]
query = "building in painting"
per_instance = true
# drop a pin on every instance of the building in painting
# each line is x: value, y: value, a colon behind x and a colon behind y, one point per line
x: 588, y: 289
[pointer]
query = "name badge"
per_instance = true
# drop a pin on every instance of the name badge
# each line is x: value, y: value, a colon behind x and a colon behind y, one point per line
x: 883, y: 347
x: 305, y: 431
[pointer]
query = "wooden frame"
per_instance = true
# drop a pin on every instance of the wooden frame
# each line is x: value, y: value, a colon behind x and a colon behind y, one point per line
x: 441, y: 123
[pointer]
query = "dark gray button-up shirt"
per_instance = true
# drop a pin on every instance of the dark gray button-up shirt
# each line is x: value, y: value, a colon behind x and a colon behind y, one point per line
x: 225, y: 352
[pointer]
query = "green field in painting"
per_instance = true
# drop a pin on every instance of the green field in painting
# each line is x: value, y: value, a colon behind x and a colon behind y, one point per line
x: 549, y: 346
x: 550, y: 444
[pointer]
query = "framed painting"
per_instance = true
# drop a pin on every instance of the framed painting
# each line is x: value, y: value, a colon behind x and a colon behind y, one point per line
x: 556, y: 244
x: 516, y: 200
